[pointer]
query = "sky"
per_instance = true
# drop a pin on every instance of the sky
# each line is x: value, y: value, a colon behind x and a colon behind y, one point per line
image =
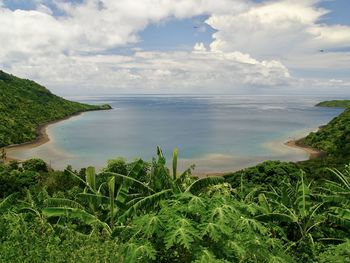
x: 83, y: 47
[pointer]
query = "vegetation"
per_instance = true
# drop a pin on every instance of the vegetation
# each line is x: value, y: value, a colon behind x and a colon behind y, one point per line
x: 24, y: 105
x: 334, y: 104
x: 332, y: 138
x: 145, y: 212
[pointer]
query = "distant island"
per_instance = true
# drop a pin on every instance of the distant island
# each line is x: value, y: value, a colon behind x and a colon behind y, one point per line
x: 27, y: 107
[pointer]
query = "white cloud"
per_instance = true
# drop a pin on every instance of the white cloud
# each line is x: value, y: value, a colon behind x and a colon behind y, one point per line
x: 278, y: 29
x: 254, y: 45
x: 176, y: 71
x: 91, y: 26
x: 199, y: 47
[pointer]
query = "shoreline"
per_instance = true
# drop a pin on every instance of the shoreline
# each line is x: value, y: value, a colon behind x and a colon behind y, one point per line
x: 42, y: 138
x: 312, y: 152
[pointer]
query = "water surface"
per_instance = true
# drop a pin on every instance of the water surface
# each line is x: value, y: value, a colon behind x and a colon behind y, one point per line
x: 217, y: 133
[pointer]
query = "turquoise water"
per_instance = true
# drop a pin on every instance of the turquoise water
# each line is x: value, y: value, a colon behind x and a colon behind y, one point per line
x: 218, y: 133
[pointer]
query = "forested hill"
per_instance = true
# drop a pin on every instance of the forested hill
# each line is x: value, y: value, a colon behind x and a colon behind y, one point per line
x: 333, y: 138
x: 24, y: 105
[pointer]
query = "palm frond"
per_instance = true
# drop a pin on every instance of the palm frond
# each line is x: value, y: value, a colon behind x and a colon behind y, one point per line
x: 204, y: 182
x: 340, y: 216
x: 146, y: 203
x: 341, y: 177
x: 130, y: 179
x: 94, y: 199
x: 81, y: 180
x: 75, y: 213
x: 277, y: 217
x: 62, y: 202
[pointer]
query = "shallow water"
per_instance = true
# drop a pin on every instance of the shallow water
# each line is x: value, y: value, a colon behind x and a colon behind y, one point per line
x: 217, y: 133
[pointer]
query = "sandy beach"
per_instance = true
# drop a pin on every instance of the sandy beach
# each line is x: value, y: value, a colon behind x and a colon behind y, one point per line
x: 209, y: 165
x: 42, y: 138
x: 313, y: 153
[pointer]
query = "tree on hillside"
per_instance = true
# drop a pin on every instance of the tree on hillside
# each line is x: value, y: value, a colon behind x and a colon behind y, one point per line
x: 2, y: 155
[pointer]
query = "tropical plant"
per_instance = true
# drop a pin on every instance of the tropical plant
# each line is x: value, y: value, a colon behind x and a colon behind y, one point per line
x: 293, y: 208
x: 122, y: 196
x: 336, y: 194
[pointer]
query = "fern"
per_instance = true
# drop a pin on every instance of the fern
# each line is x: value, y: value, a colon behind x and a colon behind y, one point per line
x: 215, y: 231
x: 139, y: 253
x: 148, y: 225
x: 207, y: 257
x: 181, y: 233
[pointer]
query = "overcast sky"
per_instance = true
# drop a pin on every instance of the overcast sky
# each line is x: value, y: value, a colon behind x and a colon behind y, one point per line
x: 178, y: 46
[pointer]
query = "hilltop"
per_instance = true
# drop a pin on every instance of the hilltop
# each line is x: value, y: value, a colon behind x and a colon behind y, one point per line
x: 332, y: 138
x: 334, y: 104
x: 25, y: 105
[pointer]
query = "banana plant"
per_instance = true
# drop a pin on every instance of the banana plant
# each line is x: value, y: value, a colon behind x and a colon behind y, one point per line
x: 92, y: 206
x: 291, y: 206
x: 113, y: 201
x: 336, y: 194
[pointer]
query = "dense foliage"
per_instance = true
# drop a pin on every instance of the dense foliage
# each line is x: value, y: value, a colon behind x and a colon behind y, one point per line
x: 332, y: 138
x: 334, y: 104
x: 144, y: 212
x: 24, y: 105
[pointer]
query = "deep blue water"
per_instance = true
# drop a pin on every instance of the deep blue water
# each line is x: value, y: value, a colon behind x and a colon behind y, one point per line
x: 218, y: 133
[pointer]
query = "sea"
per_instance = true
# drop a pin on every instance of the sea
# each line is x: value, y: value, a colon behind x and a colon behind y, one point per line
x: 217, y: 133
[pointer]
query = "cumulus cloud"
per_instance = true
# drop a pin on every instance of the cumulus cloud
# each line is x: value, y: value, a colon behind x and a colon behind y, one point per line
x: 278, y: 29
x: 254, y: 45
x: 176, y: 71
x: 94, y: 25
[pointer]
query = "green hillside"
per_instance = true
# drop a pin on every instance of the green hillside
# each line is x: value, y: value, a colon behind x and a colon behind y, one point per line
x: 24, y: 105
x: 335, y: 104
x: 334, y: 137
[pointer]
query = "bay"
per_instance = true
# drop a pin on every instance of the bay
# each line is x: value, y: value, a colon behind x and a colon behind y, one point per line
x: 218, y: 133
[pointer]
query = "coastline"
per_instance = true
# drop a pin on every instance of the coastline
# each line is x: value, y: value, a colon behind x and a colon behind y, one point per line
x: 312, y: 152
x: 42, y: 138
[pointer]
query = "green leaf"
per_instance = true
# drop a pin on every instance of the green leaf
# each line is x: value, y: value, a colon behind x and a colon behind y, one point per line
x: 62, y: 202
x: 182, y: 233
x: 204, y: 182
x: 207, y: 257
x: 74, y: 213
x: 146, y: 203
x: 175, y: 153
x: 6, y: 203
x: 139, y: 253
x: 91, y: 177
